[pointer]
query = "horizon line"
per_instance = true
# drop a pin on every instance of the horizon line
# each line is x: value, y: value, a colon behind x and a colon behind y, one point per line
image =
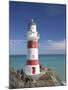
x: 41, y: 54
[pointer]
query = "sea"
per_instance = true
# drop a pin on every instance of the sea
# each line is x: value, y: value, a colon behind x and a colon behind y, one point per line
x: 56, y: 62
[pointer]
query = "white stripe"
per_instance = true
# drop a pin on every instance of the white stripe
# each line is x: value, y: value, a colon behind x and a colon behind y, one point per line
x: 32, y: 36
x: 32, y: 53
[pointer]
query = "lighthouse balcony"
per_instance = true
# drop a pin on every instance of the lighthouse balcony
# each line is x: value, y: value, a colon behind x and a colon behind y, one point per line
x: 33, y: 36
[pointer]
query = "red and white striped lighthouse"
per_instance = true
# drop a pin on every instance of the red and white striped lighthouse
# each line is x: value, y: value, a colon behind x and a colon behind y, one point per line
x: 32, y: 64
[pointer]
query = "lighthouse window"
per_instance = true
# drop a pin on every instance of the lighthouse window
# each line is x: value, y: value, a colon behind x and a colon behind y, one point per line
x: 33, y: 56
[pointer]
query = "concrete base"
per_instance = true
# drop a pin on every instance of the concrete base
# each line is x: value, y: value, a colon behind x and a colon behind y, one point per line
x: 28, y: 69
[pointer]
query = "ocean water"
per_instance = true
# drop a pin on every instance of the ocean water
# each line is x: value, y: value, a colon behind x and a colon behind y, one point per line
x: 55, y: 62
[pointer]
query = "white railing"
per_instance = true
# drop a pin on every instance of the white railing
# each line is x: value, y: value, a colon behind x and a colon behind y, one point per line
x: 33, y: 36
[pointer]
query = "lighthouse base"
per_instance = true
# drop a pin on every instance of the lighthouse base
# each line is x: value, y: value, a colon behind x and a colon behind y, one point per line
x: 32, y: 70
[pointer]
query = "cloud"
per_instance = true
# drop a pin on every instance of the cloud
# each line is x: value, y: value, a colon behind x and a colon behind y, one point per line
x: 17, y: 46
x: 52, y: 47
x: 45, y: 47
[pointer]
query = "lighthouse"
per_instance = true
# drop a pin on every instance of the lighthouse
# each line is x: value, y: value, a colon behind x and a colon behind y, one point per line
x: 32, y: 63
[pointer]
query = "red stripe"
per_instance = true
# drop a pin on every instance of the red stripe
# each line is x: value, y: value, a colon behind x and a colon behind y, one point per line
x: 32, y: 62
x: 32, y: 44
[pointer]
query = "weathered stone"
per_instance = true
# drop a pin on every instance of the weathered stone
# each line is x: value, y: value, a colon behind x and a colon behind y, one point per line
x: 18, y: 79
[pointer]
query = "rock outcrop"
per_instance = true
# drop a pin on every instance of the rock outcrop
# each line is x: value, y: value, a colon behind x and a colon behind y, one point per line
x: 18, y: 79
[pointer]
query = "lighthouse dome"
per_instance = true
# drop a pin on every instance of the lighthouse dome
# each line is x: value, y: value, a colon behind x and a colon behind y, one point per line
x: 32, y: 26
x: 31, y: 22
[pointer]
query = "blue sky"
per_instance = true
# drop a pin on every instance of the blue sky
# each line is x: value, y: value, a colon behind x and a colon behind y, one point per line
x: 51, y: 24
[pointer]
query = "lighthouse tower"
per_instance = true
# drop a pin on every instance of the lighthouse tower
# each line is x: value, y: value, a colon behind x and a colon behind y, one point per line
x: 32, y: 62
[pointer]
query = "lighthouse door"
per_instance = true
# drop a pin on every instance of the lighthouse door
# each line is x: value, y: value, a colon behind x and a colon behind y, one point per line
x: 33, y: 70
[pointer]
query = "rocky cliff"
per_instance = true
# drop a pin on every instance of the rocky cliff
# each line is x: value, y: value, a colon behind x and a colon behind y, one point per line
x: 18, y: 79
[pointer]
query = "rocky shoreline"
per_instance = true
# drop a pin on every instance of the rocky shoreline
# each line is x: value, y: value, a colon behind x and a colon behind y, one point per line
x: 18, y: 79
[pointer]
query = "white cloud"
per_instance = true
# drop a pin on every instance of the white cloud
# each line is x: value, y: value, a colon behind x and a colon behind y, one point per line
x: 17, y: 46
x: 51, y: 46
